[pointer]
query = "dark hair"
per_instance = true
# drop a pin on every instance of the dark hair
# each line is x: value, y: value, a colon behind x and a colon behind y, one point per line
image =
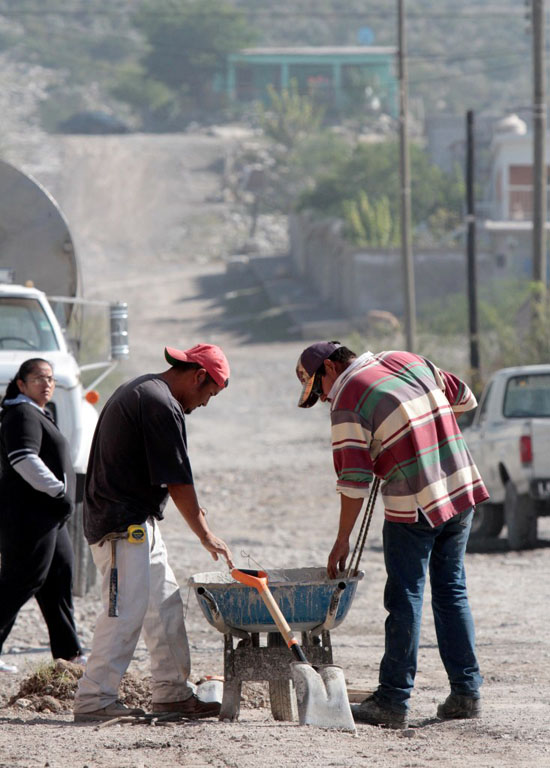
x: 181, y: 365
x: 25, y: 369
x: 340, y: 355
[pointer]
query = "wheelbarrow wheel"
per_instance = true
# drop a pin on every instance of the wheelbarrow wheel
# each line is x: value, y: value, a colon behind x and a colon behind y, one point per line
x: 281, y: 692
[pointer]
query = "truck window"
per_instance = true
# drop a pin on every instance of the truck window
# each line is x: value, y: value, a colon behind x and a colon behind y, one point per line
x: 527, y: 396
x: 25, y: 326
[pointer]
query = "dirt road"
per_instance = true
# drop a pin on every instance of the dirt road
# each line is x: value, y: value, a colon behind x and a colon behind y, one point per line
x: 149, y: 231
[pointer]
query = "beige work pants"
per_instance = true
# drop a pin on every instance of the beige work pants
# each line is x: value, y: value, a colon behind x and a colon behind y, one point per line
x: 149, y: 600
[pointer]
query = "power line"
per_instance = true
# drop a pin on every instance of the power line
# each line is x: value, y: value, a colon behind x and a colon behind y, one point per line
x: 465, y: 13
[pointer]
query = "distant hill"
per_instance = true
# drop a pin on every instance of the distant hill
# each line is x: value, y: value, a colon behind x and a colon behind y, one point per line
x: 472, y: 54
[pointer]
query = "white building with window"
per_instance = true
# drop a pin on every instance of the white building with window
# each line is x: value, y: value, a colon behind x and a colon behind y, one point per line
x: 509, y: 209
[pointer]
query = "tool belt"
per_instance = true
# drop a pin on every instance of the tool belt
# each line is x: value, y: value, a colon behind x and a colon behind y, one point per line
x: 135, y: 534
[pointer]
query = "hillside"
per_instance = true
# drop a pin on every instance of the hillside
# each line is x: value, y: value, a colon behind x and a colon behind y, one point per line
x: 472, y: 55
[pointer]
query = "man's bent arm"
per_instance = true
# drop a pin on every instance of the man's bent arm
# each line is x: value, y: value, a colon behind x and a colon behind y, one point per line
x: 349, y: 510
x: 185, y: 499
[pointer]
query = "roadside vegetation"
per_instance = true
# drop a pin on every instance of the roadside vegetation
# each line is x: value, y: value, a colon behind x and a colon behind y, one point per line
x: 358, y: 183
x: 309, y: 165
x: 363, y: 188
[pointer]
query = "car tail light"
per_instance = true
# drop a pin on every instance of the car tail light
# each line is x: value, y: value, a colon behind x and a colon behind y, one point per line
x: 525, y: 449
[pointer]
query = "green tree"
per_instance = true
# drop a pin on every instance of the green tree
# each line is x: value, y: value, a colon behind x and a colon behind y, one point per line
x: 374, y: 170
x: 290, y: 116
x: 189, y: 41
x: 296, y: 147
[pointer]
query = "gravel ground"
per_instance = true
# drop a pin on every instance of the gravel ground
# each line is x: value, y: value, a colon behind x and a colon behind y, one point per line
x: 148, y: 231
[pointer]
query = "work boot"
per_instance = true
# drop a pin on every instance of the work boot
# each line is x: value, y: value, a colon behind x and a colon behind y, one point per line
x: 116, y: 709
x: 192, y: 708
x: 457, y: 707
x: 371, y: 711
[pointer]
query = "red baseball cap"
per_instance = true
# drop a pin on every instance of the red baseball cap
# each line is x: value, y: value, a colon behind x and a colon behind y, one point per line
x: 208, y: 356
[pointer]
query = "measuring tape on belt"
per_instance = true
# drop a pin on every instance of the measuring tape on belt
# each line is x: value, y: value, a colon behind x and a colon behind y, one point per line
x: 136, y: 534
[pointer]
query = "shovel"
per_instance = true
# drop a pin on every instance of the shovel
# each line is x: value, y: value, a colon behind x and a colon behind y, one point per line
x: 322, y: 696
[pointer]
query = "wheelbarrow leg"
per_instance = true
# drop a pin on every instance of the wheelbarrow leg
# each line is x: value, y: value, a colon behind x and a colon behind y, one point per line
x: 231, y: 702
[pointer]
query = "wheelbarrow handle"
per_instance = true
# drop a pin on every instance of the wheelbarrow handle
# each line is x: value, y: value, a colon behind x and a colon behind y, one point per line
x: 258, y: 580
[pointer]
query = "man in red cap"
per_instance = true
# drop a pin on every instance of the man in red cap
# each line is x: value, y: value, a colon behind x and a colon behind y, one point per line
x: 137, y: 460
x: 393, y: 416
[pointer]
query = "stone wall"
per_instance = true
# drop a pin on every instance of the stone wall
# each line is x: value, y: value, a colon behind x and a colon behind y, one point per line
x: 358, y: 281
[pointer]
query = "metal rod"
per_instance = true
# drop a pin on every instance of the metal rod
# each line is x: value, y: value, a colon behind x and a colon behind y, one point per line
x: 404, y: 170
x: 102, y: 376
x: 471, y: 249
x: 539, y: 144
x: 361, y: 539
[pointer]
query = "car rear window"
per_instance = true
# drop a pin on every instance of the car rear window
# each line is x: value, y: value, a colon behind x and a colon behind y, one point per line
x: 528, y: 396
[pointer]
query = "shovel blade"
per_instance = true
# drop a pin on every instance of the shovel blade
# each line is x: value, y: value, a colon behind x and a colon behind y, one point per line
x: 322, y: 696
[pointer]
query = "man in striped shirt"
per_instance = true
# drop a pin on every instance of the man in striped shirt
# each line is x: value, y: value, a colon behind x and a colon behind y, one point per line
x: 393, y: 416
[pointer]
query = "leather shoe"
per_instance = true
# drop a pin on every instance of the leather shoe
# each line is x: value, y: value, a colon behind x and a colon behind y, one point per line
x: 192, y: 707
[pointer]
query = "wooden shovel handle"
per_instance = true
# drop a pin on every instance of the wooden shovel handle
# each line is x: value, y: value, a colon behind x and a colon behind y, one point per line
x: 258, y: 580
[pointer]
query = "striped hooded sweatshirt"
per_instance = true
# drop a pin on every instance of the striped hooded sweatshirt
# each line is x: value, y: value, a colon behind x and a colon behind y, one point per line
x: 393, y: 415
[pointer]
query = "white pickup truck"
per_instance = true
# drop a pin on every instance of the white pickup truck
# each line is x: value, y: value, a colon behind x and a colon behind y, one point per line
x: 509, y: 438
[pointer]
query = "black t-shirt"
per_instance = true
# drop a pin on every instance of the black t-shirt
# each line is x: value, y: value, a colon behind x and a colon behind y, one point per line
x: 27, y: 428
x: 139, y: 446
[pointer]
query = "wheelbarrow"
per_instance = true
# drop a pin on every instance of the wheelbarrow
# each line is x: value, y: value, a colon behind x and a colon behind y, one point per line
x: 312, y: 604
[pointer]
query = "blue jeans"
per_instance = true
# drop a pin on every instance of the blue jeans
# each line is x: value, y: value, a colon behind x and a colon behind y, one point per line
x: 409, y: 550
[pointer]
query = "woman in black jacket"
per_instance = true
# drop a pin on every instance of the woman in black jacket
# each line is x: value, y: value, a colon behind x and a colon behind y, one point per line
x: 37, y: 485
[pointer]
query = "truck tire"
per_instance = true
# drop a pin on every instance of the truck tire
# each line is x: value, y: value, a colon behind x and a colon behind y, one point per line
x: 84, y: 570
x: 521, y: 518
x: 487, y: 522
x: 281, y: 692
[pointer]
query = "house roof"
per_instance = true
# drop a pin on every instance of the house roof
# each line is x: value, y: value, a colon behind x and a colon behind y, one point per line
x: 364, y: 54
x: 323, y: 50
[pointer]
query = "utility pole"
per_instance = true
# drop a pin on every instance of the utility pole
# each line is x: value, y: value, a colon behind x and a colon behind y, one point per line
x: 404, y: 169
x: 471, y: 252
x: 539, y: 144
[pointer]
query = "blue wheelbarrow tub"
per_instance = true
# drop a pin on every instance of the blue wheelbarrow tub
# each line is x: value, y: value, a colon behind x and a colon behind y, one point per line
x: 302, y: 594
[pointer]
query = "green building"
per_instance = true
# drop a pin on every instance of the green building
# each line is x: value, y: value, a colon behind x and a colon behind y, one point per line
x: 334, y: 75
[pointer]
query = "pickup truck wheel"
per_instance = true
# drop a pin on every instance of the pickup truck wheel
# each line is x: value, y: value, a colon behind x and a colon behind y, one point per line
x: 521, y: 518
x: 487, y: 522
